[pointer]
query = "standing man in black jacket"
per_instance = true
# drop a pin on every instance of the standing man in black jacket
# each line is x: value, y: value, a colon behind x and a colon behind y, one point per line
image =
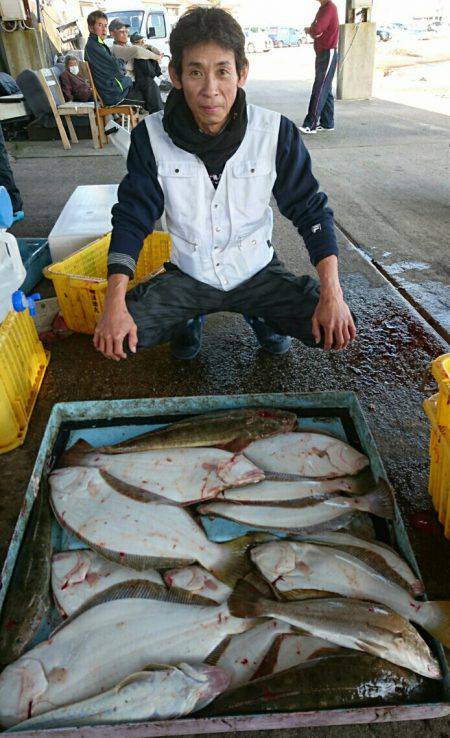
x: 113, y: 85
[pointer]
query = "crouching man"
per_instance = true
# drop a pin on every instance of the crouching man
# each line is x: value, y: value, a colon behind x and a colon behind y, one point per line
x: 211, y: 162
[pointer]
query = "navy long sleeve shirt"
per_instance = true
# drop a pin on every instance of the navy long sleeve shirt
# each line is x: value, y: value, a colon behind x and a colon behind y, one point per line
x: 108, y: 72
x: 296, y: 191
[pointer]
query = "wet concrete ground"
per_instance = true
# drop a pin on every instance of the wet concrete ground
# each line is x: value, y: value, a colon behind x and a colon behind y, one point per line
x: 385, y: 367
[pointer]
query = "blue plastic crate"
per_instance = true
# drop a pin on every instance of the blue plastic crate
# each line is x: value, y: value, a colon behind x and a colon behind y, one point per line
x: 109, y: 421
x: 35, y: 255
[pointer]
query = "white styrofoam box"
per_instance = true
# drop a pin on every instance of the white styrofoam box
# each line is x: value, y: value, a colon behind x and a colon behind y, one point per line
x: 85, y: 217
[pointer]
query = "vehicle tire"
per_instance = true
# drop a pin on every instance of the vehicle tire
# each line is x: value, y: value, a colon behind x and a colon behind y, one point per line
x: 251, y: 48
x: 299, y: 42
x: 280, y: 44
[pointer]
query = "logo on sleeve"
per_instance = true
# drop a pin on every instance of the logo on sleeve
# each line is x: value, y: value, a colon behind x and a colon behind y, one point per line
x: 316, y: 228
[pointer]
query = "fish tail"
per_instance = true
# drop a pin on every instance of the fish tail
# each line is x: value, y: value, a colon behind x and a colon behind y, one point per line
x: 75, y: 455
x: 245, y: 601
x: 234, y: 562
x: 434, y: 616
x: 417, y: 588
x: 379, y: 502
x: 359, y: 484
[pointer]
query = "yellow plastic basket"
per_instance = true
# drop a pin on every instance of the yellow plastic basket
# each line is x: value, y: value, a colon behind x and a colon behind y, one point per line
x: 23, y: 362
x: 437, y: 408
x: 80, y: 280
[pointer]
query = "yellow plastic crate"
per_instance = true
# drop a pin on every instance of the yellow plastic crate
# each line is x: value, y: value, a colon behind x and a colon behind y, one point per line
x: 80, y: 281
x: 23, y: 362
x: 437, y: 408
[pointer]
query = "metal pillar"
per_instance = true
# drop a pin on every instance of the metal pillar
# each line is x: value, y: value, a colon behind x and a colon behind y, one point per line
x: 357, y: 41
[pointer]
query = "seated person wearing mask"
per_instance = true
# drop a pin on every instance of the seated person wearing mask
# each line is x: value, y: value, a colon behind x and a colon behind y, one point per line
x: 212, y: 162
x: 135, y: 59
x: 74, y: 86
x: 113, y: 85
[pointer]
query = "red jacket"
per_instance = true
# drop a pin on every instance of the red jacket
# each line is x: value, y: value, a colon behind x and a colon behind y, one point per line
x: 74, y: 87
x: 325, y: 27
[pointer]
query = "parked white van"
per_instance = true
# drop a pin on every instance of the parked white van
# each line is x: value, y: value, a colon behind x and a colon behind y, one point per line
x: 148, y: 19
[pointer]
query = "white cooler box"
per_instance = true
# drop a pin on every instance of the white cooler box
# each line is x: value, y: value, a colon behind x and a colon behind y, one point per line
x: 85, y: 217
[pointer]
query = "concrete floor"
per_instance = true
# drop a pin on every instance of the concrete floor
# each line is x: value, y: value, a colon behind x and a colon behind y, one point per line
x: 385, y: 366
x: 386, y: 169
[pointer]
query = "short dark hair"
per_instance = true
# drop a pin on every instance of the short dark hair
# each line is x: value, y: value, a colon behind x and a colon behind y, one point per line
x: 200, y: 25
x: 95, y: 16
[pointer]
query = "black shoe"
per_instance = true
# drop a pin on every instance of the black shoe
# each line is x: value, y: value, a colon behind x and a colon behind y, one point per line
x: 270, y: 341
x: 186, y: 343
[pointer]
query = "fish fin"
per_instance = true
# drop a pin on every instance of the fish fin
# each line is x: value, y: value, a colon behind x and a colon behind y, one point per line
x: 369, y: 646
x: 273, y: 476
x: 265, y: 588
x: 136, y: 562
x: 379, y: 502
x: 213, y: 658
x: 138, y: 676
x: 235, y: 562
x: 74, y: 456
x: 267, y: 665
x: 434, y: 616
x: 245, y: 601
x: 305, y: 594
x: 358, y: 484
x: 236, y: 445
x: 330, y: 650
x: 417, y: 588
x: 375, y: 560
x: 139, y: 589
x: 143, y: 589
x: 132, y: 492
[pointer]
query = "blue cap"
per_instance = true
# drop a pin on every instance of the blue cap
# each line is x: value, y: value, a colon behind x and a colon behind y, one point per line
x: 6, y: 210
x: 20, y: 302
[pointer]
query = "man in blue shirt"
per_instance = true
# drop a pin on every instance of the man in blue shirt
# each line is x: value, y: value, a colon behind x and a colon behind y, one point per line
x: 111, y: 81
x: 211, y: 162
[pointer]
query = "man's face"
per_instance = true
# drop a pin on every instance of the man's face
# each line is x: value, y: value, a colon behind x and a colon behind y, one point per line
x: 120, y: 36
x: 210, y: 82
x: 100, y: 27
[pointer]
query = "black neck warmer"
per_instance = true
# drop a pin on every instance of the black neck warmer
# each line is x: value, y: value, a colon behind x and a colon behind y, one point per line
x: 214, y: 151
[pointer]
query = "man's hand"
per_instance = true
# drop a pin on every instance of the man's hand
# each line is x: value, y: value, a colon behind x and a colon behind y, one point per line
x: 332, y: 314
x: 116, y: 322
x: 334, y: 317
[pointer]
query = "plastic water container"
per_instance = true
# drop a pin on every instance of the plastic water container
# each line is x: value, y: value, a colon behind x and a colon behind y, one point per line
x: 12, y: 270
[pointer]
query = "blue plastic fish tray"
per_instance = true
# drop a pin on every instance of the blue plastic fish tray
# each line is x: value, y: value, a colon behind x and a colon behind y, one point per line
x: 108, y: 422
x: 35, y: 255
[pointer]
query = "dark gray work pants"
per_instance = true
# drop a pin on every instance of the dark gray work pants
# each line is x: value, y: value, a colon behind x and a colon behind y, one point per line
x: 162, y: 305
